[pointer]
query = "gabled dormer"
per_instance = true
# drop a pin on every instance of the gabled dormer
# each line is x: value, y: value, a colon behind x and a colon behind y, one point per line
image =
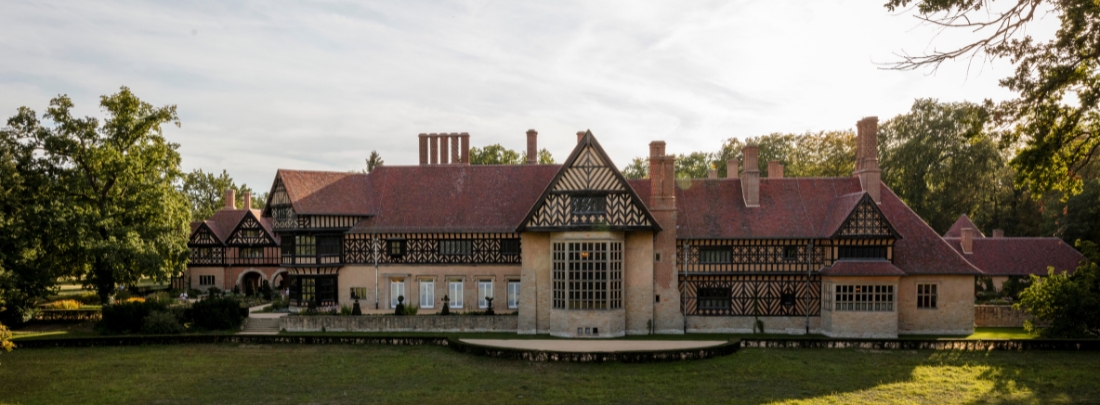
x: 250, y: 232
x: 588, y: 193
x: 204, y: 236
x: 866, y: 221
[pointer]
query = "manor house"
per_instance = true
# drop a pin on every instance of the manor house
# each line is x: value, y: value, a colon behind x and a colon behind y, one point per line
x: 580, y: 251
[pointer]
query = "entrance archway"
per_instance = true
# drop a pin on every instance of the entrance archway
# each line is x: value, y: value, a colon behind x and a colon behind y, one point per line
x: 250, y: 282
x: 279, y: 282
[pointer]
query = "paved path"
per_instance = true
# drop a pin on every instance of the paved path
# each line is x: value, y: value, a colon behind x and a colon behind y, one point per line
x: 581, y: 346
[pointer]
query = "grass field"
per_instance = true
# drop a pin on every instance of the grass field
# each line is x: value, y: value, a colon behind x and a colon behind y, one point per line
x: 229, y: 374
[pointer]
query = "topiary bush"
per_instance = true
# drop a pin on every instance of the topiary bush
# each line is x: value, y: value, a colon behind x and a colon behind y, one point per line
x: 217, y: 313
x: 161, y: 323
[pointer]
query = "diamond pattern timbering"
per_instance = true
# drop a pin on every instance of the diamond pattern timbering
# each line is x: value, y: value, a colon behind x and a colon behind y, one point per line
x: 586, y: 175
x: 749, y: 295
x: 866, y: 220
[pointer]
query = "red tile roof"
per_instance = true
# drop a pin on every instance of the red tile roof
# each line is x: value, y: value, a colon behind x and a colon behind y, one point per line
x: 1020, y: 256
x: 224, y: 221
x: 453, y: 198
x: 866, y: 268
x: 963, y: 222
x: 804, y: 208
x: 326, y: 193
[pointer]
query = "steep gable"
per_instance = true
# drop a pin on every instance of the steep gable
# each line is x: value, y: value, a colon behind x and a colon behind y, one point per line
x: 866, y: 220
x: 250, y: 231
x: 589, y: 193
x: 961, y: 223
x: 204, y: 236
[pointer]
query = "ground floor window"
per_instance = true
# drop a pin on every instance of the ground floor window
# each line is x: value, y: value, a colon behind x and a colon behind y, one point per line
x: 427, y: 294
x: 206, y: 280
x: 714, y: 298
x: 358, y: 293
x: 454, y: 288
x: 513, y: 294
x: 397, y: 289
x: 484, y: 291
x: 315, y: 290
x: 588, y: 275
x: 864, y: 298
x: 926, y: 296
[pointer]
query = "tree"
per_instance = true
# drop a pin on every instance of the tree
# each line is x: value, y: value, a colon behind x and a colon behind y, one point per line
x: 545, y: 158
x: 1069, y: 303
x: 1057, y: 82
x: 940, y: 159
x: 5, y: 339
x: 637, y: 169
x: 495, y: 155
x: 694, y: 165
x: 373, y: 161
x: 115, y: 181
x: 259, y: 200
x: 206, y: 193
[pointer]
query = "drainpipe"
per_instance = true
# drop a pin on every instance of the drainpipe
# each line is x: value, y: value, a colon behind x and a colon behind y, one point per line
x: 809, y: 270
x: 683, y: 302
x: 374, y: 252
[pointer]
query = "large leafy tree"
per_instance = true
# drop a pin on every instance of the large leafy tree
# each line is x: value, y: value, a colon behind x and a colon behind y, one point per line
x: 206, y: 193
x: 115, y: 186
x: 496, y: 154
x: 1068, y: 303
x: 1056, y: 81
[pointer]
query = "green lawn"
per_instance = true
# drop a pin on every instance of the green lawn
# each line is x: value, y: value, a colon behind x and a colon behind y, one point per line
x: 285, y: 374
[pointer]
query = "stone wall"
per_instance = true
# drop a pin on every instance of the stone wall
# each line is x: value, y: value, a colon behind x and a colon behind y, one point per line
x: 998, y: 316
x: 419, y: 323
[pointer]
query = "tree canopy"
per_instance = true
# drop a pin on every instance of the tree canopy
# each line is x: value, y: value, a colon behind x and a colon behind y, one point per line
x: 496, y: 154
x: 1068, y: 303
x: 1056, y: 81
x: 373, y: 161
x: 115, y: 212
x: 206, y: 193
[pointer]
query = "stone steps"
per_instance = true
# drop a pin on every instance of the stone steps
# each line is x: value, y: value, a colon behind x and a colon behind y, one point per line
x: 261, y: 326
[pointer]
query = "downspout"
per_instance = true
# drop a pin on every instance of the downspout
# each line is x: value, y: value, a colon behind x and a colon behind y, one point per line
x: 809, y: 270
x: 374, y: 252
x: 683, y: 302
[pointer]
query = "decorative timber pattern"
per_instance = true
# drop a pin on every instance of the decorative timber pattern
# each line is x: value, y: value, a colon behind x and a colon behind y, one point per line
x: 249, y: 232
x: 588, y: 193
x: 281, y: 210
x: 748, y: 256
x: 751, y: 295
x: 866, y: 220
x: 327, y: 221
x: 204, y: 237
x: 427, y: 248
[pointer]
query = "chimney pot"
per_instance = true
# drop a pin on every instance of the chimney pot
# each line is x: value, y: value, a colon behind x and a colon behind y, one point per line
x: 998, y: 233
x: 532, y: 147
x: 731, y: 168
x: 750, y: 176
x: 775, y: 170
x: 247, y: 200
x: 967, y: 241
x: 230, y: 199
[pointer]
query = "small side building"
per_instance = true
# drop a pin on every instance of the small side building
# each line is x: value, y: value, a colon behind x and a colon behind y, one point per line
x: 1000, y: 257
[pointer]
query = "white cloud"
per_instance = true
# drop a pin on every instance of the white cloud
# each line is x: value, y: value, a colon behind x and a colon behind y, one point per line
x: 267, y: 85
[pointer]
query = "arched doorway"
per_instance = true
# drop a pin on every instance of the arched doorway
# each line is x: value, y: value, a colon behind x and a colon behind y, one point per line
x: 250, y: 282
x: 279, y: 282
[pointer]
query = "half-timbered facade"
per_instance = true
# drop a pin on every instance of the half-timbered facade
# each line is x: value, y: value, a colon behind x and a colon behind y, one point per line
x: 578, y: 250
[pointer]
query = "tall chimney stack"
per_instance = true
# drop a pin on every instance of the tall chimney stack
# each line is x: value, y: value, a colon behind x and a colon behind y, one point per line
x: 870, y: 176
x: 423, y: 148
x: 230, y: 199
x: 532, y: 147
x: 247, y: 200
x: 750, y: 176
x: 464, y: 150
x: 580, y: 136
x: 731, y: 168
x: 967, y: 241
x: 661, y: 177
x: 775, y: 170
x: 455, y: 139
x: 433, y: 148
x: 444, y: 146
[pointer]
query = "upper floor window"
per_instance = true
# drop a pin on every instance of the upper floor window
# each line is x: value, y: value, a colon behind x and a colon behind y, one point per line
x: 250, y: 233
x: 396, y: 247
x: 588, y: 205
x: 790, y: 253
x: 861, y: 252
x: 455, y: 247
x: 328, y: 245
x: 252, y: 252
x: 509, y: 246
x: 714, y: 254
x: 305, y: 245
x: 281, y: 213
x: 201, y: 252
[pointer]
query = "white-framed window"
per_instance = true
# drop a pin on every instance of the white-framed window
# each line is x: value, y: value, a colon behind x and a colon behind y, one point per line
x: 926, y: 296
x: 206, y: 280
x: 513, y: 294
x: 454, y: 288
x: 864, y: 298
x: 484, y: 289
x: 427, y: 294
x: 588, y: 275
x: 397, y: 289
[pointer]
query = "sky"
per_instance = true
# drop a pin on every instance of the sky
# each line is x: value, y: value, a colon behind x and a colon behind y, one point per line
x: 308, y: 85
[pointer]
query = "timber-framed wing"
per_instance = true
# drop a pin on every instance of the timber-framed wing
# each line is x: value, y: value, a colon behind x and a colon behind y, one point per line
x: 588, y: 194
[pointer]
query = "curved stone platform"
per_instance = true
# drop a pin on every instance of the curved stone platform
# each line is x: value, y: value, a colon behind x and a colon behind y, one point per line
x: 596, y: 350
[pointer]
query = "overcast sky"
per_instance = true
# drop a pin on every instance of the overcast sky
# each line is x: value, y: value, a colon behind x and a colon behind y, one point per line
x: 318, y: 85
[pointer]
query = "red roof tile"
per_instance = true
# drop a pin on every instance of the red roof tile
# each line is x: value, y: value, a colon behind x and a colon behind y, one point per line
x: 224, y: 221
x: 862, y: 268
x: 1020, y: 256
x: 453, y: 198
x: 326, y: 193
x: 963, y: 222
x: 920, y: 250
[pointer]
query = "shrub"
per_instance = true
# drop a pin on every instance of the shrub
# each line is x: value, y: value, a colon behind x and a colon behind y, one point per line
x: 1069, y: 303
x: 265, y: 290
x: 217, y: 313
x: 123, y: 295
x: 161, y: 297
x: 5, y: 339
x: 134, y: 299
x: 410, y: 309
x: 345, y: 310
x: 213, y: 291
x: 127, y: 317
x: 88, y: 298
x: 161, y: 323
x: 64, y: 304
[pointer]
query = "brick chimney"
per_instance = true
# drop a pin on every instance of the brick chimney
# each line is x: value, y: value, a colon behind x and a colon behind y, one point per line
x: 750, y: 177
x: 712, y: 173
x: 731, y: 168
x: 775, y: 170
x: 967, y: 241
x: 230, y: 199
x: 423, y: 148
x: 464, y: 150
x: 444, y: 145
x: 580, y: 136
x: 532, y: 147
x: 661, y: 177
x: 870, y: 176
x: 433, y: 148
x: 456, y: 138
x: 998, y: 233
x: 247, y: 200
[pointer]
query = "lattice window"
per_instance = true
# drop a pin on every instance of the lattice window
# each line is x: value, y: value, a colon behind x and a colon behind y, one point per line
x: 731, y: 256
x: 864, y: 297
x: 714, y: 298
x: 861, y: 252
x: 206, y: 280
x: 588, y: 275
x: 790, y: 253
x: 252, y: 253
x: 328, y: 245
x: 509, y: 247
x: 305, y: 245
x: 455, y: 247
x: 396, y: 247
x: 926, y: 296
x: 587, y: 205
x: 559, y: 274
x: 865, y: 220
x: 714, y: 254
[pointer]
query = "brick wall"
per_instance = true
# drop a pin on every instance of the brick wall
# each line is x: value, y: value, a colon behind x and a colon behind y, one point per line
x: 998, y: 316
